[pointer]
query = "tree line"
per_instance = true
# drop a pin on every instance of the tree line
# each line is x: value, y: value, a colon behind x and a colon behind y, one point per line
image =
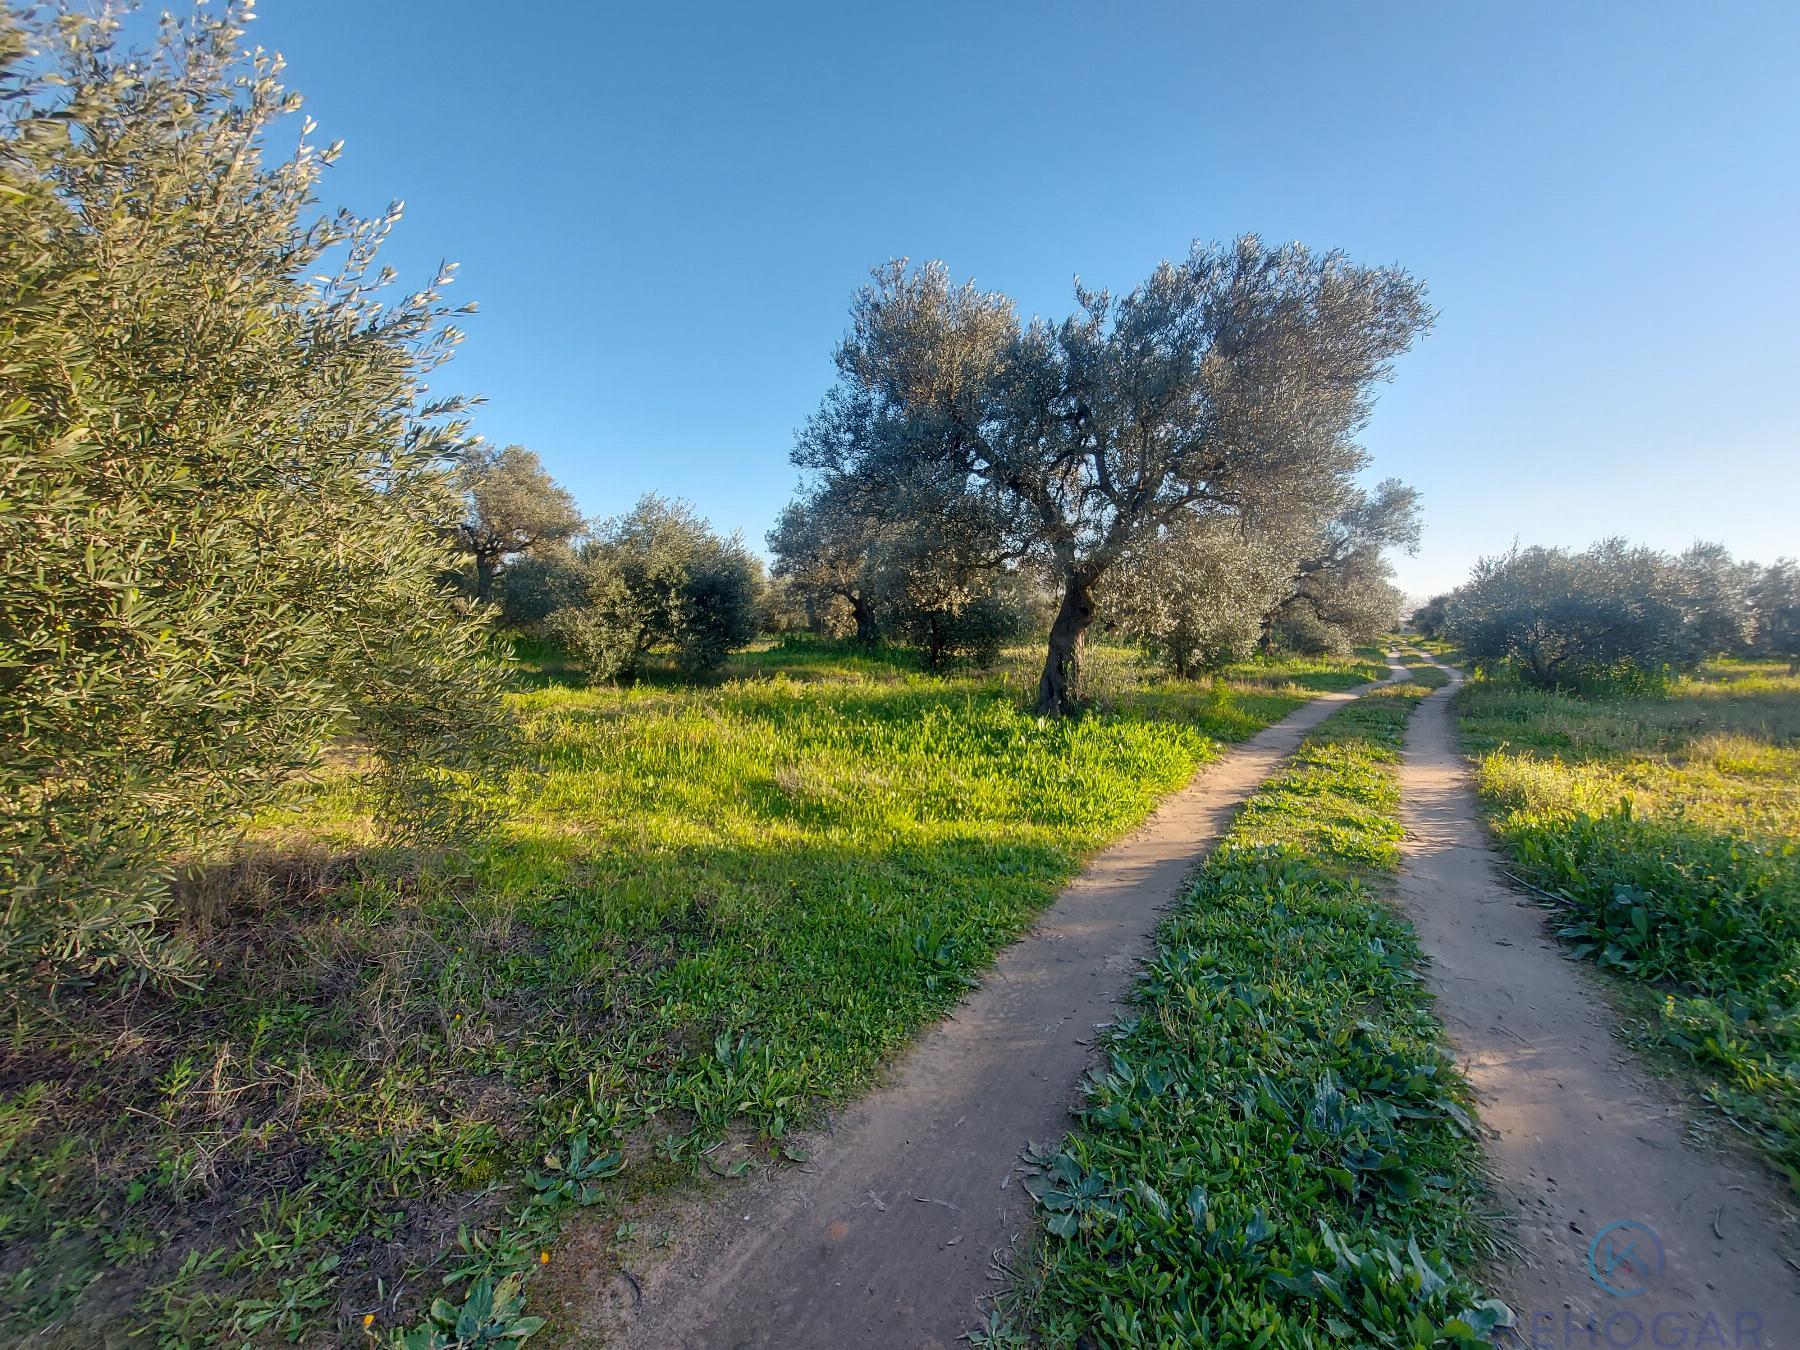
x: 240, y: 528
x: 1613, y: 613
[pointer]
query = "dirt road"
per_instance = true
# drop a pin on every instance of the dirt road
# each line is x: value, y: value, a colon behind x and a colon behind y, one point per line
x: 1626, y: 1227
x: 890, y: 1235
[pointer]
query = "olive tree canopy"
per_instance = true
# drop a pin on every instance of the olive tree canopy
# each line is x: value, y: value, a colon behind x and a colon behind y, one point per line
x: 515, y: 506
x: 1339, y: 590
x: 1231, y: 383
x: 224, y: 489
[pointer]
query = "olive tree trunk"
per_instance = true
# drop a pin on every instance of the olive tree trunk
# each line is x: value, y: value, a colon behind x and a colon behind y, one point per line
x: 1057, y: 689
x: 867, y: 632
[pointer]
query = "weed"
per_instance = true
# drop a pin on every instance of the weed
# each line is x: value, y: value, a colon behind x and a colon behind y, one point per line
x: 1278, y: 1150
x: 1663, y: 832
x: 706, y: 911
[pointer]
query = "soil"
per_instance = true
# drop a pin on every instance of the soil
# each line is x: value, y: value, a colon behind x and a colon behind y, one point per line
x: 1578, y: 1136
x: 897, y: 1230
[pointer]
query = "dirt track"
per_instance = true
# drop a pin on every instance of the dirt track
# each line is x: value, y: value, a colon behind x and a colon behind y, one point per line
x: 1577, y: 1136
x: 890, y: 1235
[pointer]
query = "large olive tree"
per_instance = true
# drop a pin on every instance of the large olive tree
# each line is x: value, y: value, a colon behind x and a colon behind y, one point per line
x: 224, y: 491
x: 1230, y: 383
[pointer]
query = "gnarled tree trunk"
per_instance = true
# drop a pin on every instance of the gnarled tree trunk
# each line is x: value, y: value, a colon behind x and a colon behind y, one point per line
x: 863, y: 612
x: 1057, y: 688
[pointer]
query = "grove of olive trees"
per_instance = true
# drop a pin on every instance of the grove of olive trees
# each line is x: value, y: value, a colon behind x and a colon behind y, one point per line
x: 1615, y: 611
x: 1228, y: 386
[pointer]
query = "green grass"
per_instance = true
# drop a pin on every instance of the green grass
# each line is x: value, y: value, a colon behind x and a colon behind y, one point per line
x: 1278, y: 1151
x: 1662, y: 830
x: 705, y: 913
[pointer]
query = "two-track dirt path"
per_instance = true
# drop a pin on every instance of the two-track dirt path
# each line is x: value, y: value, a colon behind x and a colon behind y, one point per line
x: 890, y: 1235
x: 1578, y: 1137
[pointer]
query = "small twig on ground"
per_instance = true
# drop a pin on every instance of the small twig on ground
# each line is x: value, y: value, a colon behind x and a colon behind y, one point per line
x: 1551, y: 896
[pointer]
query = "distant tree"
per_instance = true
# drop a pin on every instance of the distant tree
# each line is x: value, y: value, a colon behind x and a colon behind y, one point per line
x: 1195, y: 594
x: 1340, y: 590
x: 224, y: 494
x: 514, y: 507
x: 535, y: 585
x: 825, y: 546
x: 1352, y: 604
x: 1561, y: 618
x: 1428, y: 619
x: 659, y: 578
x: 1775, y: 609
x: 1715, y: 597
x: 1232, y: 383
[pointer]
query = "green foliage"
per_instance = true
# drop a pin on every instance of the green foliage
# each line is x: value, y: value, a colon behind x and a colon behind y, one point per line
x: 1196, y: 596
x: 976, y: 627
x: 535, y: 586
x: 1774, y: 598
x: 1428, y: 619
x: 1278, y: 1150
x: 1614, y: 619
x: 659, y: 578
x: 514, y: 507
x: 1230, y: 384
x: 708, y: 911
x: 491, y: 1315
x: 1662, y: 832
x: 222, y: 494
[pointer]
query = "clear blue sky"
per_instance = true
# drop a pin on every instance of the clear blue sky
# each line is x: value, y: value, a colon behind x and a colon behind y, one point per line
x: 663, y: 210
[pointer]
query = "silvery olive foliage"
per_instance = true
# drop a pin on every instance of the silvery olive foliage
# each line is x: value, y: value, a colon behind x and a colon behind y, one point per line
x: 1775, y: 612
x: 514, y: 508
x: 1715, y: 592
x: 655, y: 578
x: 1340, y: 589
x: 1617, y: 612
x: 1196, y: 594
x: 225, y: 490
x: 1230, y: 384
x: 1561, y: 618
x: 1428, y: 619
x: 825, y: 545
x: 934, y: 573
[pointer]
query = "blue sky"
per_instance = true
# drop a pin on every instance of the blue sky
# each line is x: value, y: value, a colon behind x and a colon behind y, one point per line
x: 663, y: 210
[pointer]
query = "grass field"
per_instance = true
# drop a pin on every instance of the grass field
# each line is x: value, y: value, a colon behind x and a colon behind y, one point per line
x: 705, y: 912
x: 1278, y: 1151
x: 1663, y: 831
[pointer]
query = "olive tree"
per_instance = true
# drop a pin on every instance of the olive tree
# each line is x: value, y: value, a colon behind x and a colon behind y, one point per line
x: 1563, y: 618
x: 657, y: 577
x: 514, y: 507
x: 1339, y: 590
x: 1229, y: 384
x: 1714, y: 591
x: 824, y: 546
x: 1195, y: 593
x: 1775, y: 608
x: 224, y: 490
x: 1428, y: 619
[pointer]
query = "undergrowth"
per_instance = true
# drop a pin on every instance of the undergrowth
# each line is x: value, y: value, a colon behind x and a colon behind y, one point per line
x: 707, y: 912
x: 1278, y: 1151
x: 1662, y: 832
